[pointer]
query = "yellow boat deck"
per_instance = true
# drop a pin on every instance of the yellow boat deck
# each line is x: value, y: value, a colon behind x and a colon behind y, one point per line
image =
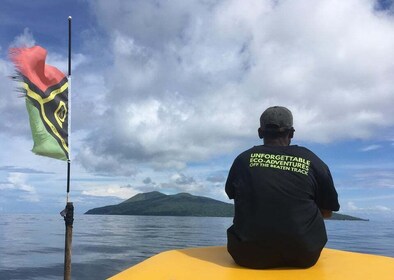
x: 215, y: 263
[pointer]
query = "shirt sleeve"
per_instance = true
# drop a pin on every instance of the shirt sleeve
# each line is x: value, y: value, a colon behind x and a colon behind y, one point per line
x: 238, y: 178
x: 327, y: 196
x: 230, y: 191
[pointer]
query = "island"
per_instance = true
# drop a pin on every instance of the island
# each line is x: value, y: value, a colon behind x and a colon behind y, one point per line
x: 182, y: 204
x: 159, y: 204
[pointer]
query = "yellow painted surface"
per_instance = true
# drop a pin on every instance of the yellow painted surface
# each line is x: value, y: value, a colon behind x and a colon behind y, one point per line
x: 215, y: 263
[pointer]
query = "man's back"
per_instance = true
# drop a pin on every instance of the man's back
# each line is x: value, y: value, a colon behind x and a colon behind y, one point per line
x: 281, y: 194
x: 277, y: 196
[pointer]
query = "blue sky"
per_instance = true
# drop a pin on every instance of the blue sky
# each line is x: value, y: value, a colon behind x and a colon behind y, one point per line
x: 166, y: 93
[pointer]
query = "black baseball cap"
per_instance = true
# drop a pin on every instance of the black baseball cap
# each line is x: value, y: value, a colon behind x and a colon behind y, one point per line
x: 276, y: 118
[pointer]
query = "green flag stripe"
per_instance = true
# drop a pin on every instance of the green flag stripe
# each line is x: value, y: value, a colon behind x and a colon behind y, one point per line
x: 40, y: 104
x: 44, y: 142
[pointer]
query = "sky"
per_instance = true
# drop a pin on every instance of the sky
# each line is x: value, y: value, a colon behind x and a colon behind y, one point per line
x: 165, y: 94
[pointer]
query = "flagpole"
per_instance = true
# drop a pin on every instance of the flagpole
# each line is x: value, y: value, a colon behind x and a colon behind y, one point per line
x: 69, y: 211
x: 69, y: 107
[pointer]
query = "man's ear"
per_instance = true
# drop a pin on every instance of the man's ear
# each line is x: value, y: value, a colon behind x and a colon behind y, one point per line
x: 260, y: 131
x: 291, y: 133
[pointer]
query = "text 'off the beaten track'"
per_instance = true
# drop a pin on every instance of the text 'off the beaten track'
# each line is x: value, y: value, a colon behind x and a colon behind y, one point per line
x: 283, y: 162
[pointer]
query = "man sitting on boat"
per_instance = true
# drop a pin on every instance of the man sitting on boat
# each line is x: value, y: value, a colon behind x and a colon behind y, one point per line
x: 281, y: 194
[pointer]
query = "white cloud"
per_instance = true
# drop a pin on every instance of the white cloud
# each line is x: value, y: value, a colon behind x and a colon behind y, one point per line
x: 382, y: 208
x: 374, y: 178
x: 193, y: 81
x: 16, y: 123
x: 376, y: 208
x: 24, y: 40
x: 123, y: 192
x: 371, y: 148
x: 18, y: 181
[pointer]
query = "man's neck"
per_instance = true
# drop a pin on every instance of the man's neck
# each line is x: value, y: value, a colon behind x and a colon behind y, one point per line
x: 277, y: 142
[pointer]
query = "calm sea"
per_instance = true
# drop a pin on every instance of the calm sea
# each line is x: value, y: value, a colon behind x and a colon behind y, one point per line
x: 32, y: 246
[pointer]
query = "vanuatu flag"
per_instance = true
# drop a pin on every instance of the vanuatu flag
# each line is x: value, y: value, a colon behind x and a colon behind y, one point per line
x: 46, y: 91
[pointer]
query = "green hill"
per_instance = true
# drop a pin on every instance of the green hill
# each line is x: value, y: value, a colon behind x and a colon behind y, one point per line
x: 159, y: 204
x: 182, y: 204
x: 336, y: 216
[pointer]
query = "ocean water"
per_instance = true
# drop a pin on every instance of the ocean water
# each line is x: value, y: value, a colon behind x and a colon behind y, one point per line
x: 32, y: 246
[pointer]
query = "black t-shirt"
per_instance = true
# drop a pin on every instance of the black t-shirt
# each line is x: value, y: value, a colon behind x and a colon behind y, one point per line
x: 278, y: 192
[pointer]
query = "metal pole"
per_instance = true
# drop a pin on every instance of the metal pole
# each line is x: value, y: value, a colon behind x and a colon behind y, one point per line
x: 69, y: 46
x: 69, y: 211
x: 69, y: 107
